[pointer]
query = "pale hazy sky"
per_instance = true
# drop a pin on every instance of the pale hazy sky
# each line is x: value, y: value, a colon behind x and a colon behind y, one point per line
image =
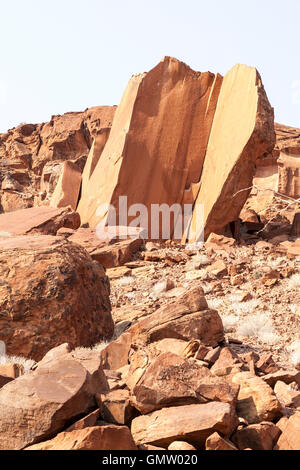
x: 67, y: 55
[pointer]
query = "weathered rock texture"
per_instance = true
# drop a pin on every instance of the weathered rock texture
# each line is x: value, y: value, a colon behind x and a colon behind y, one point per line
x: 31, y: 155
x: 173, y: 129
x: 36, y: 406
x: 242, y: 131
x: 51, y: 292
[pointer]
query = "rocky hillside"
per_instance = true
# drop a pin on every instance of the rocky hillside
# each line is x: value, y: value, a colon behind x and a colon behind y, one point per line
x: 117, y: 337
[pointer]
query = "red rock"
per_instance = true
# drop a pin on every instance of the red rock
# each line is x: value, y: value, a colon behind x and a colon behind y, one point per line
x: 154, y: 131
x: 286, y: 395
x: 218, y: 269
x: 295, y: 232
x: 227, y: 363
x: 256, y: 401
x: 106, y: 250
x: 43, y: 220
x: 192, y: 424
x: 290, y: 437
x: 11, y: 370
x: 116, y: 407
x: 219, y: 242
x: 216, y: 442
x: 261, y: 436
x: 108, y: 437
x: 86, y: 422
x: 53, y: 293
x: 286, y: 376
x: 181, y: 445
x: 31, y: 155
x: 186, y: 318
x: 115, y: 355
x: 171, y: 380
x: 232, y: 167
x: 48, y: 398
x: 68, y: 186
x: 94, y: 156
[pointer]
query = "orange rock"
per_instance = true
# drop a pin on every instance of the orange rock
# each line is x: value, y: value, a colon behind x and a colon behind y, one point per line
x: 161, y: 126
x: 115, y: 355
x: 181, y: 445
x: 186, y: 318
x: 107, y: 437
x: 290, y: 437
x: 216, y: 442
x: 171, y: 380
x: 49, y: 398
x: 44, y: 220
x: 261, y: 436
x: 256, y: 401
x: 67, y: 189
x: 116, y: 407
x: 94, y: 156
x: 52, y: 291
x: 230, y: 165
x: 192, y: 424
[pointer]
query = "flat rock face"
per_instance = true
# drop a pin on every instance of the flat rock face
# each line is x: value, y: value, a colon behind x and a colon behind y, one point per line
x: 52, y: 292
x: 192, y: 423
x: 27, y: 149
x: 242, y: 130
x: 160, y: 133
x: 48, y: 399
x: 174, y: 129
x: 43, y: 220
x: 67, y: 189
x: 108, y: 437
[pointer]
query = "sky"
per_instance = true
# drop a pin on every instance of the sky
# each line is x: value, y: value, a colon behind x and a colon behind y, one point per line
x: 68, y: 55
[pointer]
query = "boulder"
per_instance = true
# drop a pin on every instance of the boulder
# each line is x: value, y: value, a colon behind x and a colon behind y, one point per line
x: 53, y: 292
x: 243, y: 110
x: 261, y: 436
x: 37, y: 220
x: 256, y: 400
x: 191, y: 423
x: 106, y: 247
x: 160, y: 132
x: 185, y: 318
x: 107, y: 437
x: 47, y: 400
x: 171, y: 380
x: 290, y: 437
x: 216, y: 442
x: 181, y: 445
x: 116, y: 407
x: 68, y: 186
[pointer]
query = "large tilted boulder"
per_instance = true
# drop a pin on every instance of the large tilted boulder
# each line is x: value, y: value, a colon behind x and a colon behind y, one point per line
x: 242, y: 130
x: 51, y: 292
x: 188, y: 317
x: 189, y: 137
x: 38, y: 405
x: 160, y: 133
